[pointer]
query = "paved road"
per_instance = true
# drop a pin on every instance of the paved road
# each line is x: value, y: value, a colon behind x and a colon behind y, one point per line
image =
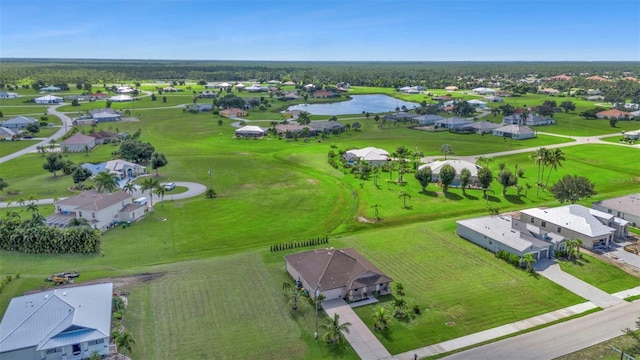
x: 66, y: 124
x: 365, y: 344
x: 560, y: 339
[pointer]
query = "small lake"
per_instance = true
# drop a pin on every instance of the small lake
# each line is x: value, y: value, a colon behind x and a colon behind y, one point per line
x: 357, y: 104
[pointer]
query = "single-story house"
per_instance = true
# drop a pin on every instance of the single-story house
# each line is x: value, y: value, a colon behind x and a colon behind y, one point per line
x: 453, y: 123
x: 211, y: 86
x: 98, y: 96
x: 477, y: 103
x: 549, y: 91
x: 483, y: 91
x: 428, y: 119
x: 255, y: 88
x: 614, y: 114
x: 337, y: 273
x: 103, y: 136
x: 373, y: 156
x: 241, y: 86
x: 124, y: 90
x: 493, y: 98
x: 233, y: 113
x: 411, y: 89
x: 507, y: 233
x: 124, y: 169
x: 8, y: 95
x: 224, y: 85
x: 289, y: 95
x: 532, y: 120
x: 400, y: 116
x: 207, y: 95
x: 451, y: 88
x: 172, y: 89
x: 326, y: 126
x: 597, y: 78
x: 18, y: 122
x: 632, y: 135
x: 249, y: 131
x: 293, y: 114
x: 101, y: 210
x: 200, y: 108
x: 594, y: 98
x: 483, y: 127
x: 76, y: 97
x: 309, y: 87
x: 324, y: 94
x: 624, y: 207
x: 289, y: 83
x: 591, y: 226
x: 291, y: 130
x: 518, y: 132
x: 50, y: 88
x: 48, y: 99
x: 69, y: 323
x: 78, y: 143
x: 120, y: 98
x: 7, y: 134
x: 458, y: 165
x: 594, y: 92
x: 106, y: 115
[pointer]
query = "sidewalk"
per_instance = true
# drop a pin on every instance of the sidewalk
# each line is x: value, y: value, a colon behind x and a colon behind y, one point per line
x: 496, y: 332
x: 360, y: 337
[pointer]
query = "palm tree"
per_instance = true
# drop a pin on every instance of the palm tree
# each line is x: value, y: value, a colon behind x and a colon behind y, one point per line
x: 33, y: 207
x: 540, y: 157
x: 334, y: 329
x: 160, y: 192
x: 375, y: 209
x: 522, y: 119
x: 400, y: 305
x: 404, y: 197
x: 495, y: 112
x: 75, y: 222
x: 446, y: 149
x: 105, y: 180
x: 294, y: 294
x: 528, y: 259
x: 381, y: 318
x: 129, y: 188
x: 124, y: 342
x: 554, y: 159
x: 149, y: 184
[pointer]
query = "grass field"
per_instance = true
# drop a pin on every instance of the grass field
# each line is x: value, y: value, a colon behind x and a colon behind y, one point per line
x: 604, y: 276
x: 222, y: 286
x: 9, y: 147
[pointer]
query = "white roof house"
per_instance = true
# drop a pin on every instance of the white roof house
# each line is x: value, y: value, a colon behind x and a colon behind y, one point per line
x: 8, y: 95
x: 48, y: 99
x: 249, y: 131
x: 224, y: 85
x: 6, y: 133
x: 19, y: 122
x: 483, y: 90
x: 518, y: 132
x: 372, y: 155
x: 70, y: 322
x: 477, y: 103
x: 510, y: 234
x: 593, y: 227
x: 120, y: 98
x: 632, y: 135
x: 458, y: 166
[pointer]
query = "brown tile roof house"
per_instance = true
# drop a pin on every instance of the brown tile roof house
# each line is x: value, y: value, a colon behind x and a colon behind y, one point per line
x: 289, y: 130
x: 100, y: 210
x: 597, y: 78
x: 103, y: 135
x: 233, y: 112
x: 613, y: 113
x: 340, y: 273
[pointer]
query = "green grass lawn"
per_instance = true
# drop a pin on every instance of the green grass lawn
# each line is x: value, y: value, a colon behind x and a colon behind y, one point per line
x: 9, y: 147
x: 606, y: 277
x: 452, y: 280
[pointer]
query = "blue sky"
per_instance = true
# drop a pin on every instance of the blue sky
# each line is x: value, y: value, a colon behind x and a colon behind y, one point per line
x: 323, y: 30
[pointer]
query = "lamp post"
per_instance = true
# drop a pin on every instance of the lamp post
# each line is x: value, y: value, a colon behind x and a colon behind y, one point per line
x: 315, y: 334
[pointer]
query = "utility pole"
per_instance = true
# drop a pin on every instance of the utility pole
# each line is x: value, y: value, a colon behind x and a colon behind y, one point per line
x: 210, y: 179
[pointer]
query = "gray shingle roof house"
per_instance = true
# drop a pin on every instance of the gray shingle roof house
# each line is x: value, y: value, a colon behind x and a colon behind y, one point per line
x: 518, y: 132
x: 483, y: 127
x: 507, y: 233
x: 104, y: 115
x: 19, y: 122
x: 625, y: 207
x: 78, y: 143
x: 69, y: 323
x: 458, y: 166
x: 6, y: 133
x: 428, y: 119
x: 335, y: 273
x: 326, y: 126
x: 453, y: 123
x: 532, y: 120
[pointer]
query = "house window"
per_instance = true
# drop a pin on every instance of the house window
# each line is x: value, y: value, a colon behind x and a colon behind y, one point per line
x: 559, y: 229
x: 79, y: 213
x: 543, y: 224
x: 95, y: 342
x: 53, y: 351
x: 532, y: 220
x: 355, y: 290
x: 93, y: 215
x: 76, y: 349
x: 609, y: 211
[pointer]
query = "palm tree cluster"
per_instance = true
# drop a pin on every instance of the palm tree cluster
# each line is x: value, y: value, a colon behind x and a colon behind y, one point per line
x: 573, y: 248
x: 32, y: 236
x: 549, y: 159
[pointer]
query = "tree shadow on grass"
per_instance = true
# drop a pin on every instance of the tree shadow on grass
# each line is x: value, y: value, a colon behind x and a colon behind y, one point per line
x: 408, y: 207
x: 492, y: 199
x: 452, y: 196
x: 470, y: 197
x: 514, y: 199
x: 429, y: 193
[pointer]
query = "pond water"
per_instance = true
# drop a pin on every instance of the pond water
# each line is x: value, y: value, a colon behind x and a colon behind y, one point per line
x: 357, y: 104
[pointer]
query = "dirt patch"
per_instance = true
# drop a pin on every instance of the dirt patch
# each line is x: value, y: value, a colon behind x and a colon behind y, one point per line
x: 312, y: 181
x: 363, y: 219
x: 119, y: 282
x: 129, y: 119
x: 450, y: 323
x: 623, y: 266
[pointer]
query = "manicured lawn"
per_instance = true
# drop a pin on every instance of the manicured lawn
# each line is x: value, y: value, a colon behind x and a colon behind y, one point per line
x: 602, y: 351
x: 231, y: 307
x: 453, y: 281
x: 604, y: 276
x: 9, y: 147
